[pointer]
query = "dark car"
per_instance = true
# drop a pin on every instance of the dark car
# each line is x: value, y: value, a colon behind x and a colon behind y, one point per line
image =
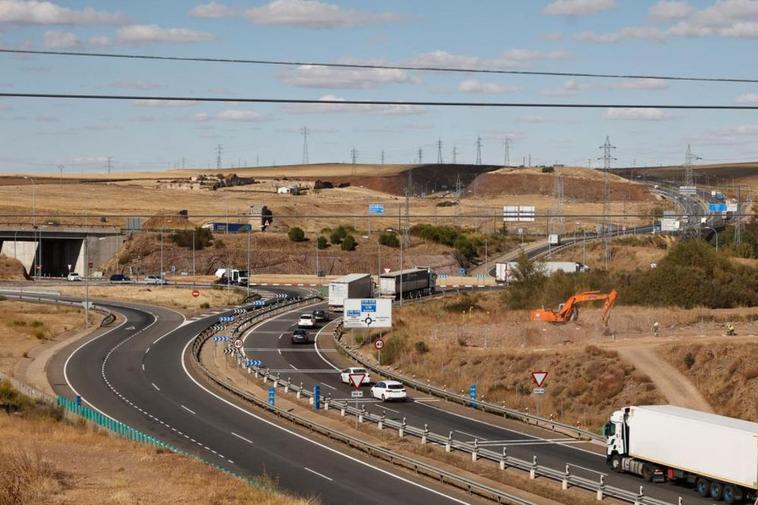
x: 119, y: 278
x: 320, y: 316
x: 299, y: 337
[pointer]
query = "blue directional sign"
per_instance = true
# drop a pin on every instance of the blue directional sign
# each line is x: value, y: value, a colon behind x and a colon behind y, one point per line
x: 272, y: 396
x: 472, y: 395
x: 226, y: 319
x: 259, y: 303
x: 376, y: 209
x: 462, y: 271
x: 715, y: 208
x: 316, y: 397
x: 368, y: 305
x: 253, y: 362
x: 221, y: 338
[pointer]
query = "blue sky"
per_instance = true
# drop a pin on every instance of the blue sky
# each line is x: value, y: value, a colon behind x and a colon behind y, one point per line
x: 670, y: 37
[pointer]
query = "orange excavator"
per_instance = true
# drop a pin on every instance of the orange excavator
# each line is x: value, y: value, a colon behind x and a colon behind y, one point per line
x: 569, y: 311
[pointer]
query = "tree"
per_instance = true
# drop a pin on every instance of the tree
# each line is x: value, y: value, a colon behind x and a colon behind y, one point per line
x: 321, y: 242
x: 348, y: 244
x: 338, y: 235
x: 202, y: 238
x: 296, y: 234
x: 389, y: 239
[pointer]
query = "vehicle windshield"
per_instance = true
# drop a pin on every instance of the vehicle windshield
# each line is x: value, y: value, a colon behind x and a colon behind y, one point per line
x: 609, y: 430
x: 305, y: 316
x: 359, y: 370
x: 395, y: 386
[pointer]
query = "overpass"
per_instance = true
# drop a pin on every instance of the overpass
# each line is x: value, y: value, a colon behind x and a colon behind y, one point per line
x: 51, y: 250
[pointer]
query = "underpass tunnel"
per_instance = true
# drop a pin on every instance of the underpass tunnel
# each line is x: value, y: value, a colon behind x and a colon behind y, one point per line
x: 58, y: 257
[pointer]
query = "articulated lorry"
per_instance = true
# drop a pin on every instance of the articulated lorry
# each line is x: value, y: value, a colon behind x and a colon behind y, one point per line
x: 718, y: 455
x: 349, y: 286
x: 504, y: 272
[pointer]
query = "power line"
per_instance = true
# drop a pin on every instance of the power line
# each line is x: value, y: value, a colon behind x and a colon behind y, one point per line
x: 420, y: 103
x: 292, y: 63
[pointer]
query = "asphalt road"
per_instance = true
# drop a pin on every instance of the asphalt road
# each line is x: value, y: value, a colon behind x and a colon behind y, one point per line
x: 136, y: 373
x: 310, y: 363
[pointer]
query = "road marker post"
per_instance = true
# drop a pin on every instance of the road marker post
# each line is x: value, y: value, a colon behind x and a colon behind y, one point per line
x: 472, y: 395
x: 316, y: 397
x: 272, y: 396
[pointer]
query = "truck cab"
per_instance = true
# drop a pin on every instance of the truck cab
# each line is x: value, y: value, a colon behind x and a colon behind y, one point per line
x: 615, y: 436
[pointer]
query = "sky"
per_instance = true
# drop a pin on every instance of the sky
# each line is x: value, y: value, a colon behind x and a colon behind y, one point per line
x: 706, y: 38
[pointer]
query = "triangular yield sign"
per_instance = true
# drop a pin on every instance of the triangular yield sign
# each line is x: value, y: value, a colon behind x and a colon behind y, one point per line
x: 356, y: 379
x: 539, y: 378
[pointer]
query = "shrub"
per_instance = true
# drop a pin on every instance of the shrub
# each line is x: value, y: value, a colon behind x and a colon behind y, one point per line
x: 296, y: 234
x: 219, y: 244
x: 338, y: 235
x: 689, y: 360
x: 202, y: 238
x: 394, y: 346
x: 321, y: 242
x: 421, y: 347
x: 389, y: 239
x: 465, y: 303
x: 205, y: 305
x: 348, y: 244
x: 548, y: 170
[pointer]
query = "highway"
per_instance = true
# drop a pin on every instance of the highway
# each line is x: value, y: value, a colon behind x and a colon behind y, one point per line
x: 313, y: 364
x: 137, y: 373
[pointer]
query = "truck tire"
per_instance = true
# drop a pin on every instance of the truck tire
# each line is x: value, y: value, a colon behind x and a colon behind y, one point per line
x: 703, y: 487
x: 647, y: 472
x: 717, y: 490
x: 732, y: 494
x: 615, y: 463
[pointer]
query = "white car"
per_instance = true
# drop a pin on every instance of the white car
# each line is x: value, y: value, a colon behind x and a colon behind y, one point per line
x: 306, y: 321
x: 154, y: 279
x: 345, y: 375
x: 389, y: 390
x: 74, y: 277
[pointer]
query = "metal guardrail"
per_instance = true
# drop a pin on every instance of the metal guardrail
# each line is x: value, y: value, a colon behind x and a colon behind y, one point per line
x: 427, y: 387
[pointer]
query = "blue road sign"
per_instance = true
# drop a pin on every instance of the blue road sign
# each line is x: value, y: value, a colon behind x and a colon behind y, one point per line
x: 259, y: 303
x: 715, y: 208
x: 226, y: 319
x: 316, y: 397
x: 253, y: 362
x: 78, y: 400
x: 272, y: 396
x: 462, y: 271
x: 376, y: 209
x: 221, y: 338
x: 368, y: 305
x: 472, y: 395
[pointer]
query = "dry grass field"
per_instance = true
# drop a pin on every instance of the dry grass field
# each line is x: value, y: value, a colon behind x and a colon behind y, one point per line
x: 167, y: 296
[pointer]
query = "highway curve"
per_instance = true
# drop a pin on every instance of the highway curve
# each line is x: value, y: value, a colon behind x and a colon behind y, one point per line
x: 311, y: 364
x: 135, y: 373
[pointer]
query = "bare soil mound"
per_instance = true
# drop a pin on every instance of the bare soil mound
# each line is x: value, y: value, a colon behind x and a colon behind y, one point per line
x: 11, y: 269
x: 168, y: 221
x: 578, y: 184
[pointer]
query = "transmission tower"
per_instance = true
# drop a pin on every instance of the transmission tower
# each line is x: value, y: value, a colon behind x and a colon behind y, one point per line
x: 354, y: 155
x: 218, y: 157
x: 689, y: 157
x: 382, y: 156
x: 558, y: 194
x: 420, y: 155
x: 304, y: 132
x: 479, y: 150
x: 455, y: 155
x: 458, y: 186
x: 507, y: 160
x: 108, y: 164
x: 439, y: 152
x: 607, y: 158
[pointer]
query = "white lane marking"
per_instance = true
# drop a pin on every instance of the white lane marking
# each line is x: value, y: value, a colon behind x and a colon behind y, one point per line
x: 315, y: 345
x: 319, y: 474
x: 588, y: 469
x: 279, y: 351
x: 280, y: 336
x: 303, y: 437
x: 328, y: 386
x: 242, y: 438
x: 387, y: 408
x: 188, y: 410
x: 156, y: 387
x: 470, y: 435
x: 293, y: 366
x: 143, y: 367
x: 147, y: 350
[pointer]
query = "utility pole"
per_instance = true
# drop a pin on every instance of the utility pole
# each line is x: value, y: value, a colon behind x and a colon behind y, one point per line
x: 507, y: 160
x: 738, y: 224
x: 354, y: 155
x: 478, y: 150
x: 108, y: 165
x: 439, y: 152
x: 304, y: 132
x: 420, y: 155
x: 382, y: 156
x: 218, y: 157
x: 607, y: 158
x: 455, y: 155
x: 60, y: 174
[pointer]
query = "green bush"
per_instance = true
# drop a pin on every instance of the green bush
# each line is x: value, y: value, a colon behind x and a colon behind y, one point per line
x: 348, y: 244
x: 389, y: 239
x: 394, y: 346
x: 202, y: 238
x: 338, y: 235
x: 689, y: 360
x: 296, y: 234
x: 464, y: 303
x: 421, y: 347
x: 321, y: 242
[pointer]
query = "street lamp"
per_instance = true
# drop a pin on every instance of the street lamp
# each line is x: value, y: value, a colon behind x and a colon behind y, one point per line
x: 717, y: 235
x: 34, y: 225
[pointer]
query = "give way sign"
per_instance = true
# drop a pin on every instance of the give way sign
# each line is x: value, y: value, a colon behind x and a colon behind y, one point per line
x: 356, y: 379
x: 539, y: 378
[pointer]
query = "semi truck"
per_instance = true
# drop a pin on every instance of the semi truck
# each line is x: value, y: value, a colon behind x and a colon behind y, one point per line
x: 407, y: 283
x: 232, y: 276
x: 717, y: 455
x: 504, y: 271
x: 349, y: 286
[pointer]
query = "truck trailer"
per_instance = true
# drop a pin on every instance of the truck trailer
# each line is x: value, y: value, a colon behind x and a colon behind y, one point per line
x: 504, y: 271
x: 717, y: 455
x: 349, y: 286
x: 407, y: 283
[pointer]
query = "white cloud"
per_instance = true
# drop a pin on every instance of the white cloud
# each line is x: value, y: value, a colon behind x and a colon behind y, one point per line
x: 100, y: 41
x: 475, y: 86
x: 315, y: 14
x: 578, y: 7
x: 33, y: 12
x: 312, y: 76
x: 532, y: 119
x: 152, y: 102
x: 240, y: 115
x: 748, y: 98
x: 509, y: 59
x: 629, y: 32
x: 134, y: 85
x: 61, y: 40
x: 666, y: 10
x: 145, y: 34
x: 636, y: 114
x: 387, y: 110
x: 571, y: 87
x: 646, y: 84
x: 212, y: 10
x: 531, y: 55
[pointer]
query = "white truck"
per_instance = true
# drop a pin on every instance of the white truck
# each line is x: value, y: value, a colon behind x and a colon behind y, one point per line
x: 716, y: 454
x: 504, y: 271
x: 349, y: 286
x: 232, y: 276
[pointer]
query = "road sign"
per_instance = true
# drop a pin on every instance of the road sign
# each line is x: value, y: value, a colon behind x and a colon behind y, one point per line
x: 539, y: 378
x: 688, y: 190
x: 195, y: 293
x: 238, y: 343
x: 513, y: 213
x: 226, y: 319
x: 356, y: 379
x: 379, y: 344
x: 368, y: 313
x: 316, y: 397
x: 376, y: 209
x: 356, y: 394
x: 538, y: 391
x: 715, y: 208
x: 462, y: 271
x: 272, y: 396
x: 472, y: 395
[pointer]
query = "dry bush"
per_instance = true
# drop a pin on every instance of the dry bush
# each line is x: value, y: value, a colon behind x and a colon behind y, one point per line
x: 25, y: 476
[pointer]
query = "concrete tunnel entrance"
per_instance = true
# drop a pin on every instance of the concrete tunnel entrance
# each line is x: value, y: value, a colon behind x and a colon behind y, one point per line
x: 52, y: 256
